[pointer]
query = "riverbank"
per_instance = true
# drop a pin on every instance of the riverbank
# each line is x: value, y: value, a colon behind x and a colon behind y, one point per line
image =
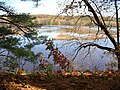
x: 86, y: 37
x: 82, y: 34
x: 44, y: 19
x: 104, y: 80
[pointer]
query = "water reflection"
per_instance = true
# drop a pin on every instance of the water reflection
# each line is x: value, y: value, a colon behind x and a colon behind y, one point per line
x: 93, y: 59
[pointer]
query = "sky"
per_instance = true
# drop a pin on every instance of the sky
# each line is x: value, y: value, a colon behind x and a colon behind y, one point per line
x: 45, y: 6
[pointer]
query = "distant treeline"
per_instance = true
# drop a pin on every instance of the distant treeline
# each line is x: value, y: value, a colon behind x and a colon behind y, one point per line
x: 42, y: 19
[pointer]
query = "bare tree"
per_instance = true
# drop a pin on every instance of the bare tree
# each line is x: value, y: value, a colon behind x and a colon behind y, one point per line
x: 93, y: 9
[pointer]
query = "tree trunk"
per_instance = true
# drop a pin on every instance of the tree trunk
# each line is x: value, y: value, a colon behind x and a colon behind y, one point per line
x: 118, y: 62
x: 118, y: 57
x: 100, y: 24
x: 107, y: 33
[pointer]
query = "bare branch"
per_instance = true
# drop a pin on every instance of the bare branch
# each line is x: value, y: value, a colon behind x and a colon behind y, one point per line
x: 13, y: 24
x: 103, y: 27
x: 99, y: 13
x: 92, y: 19
x: 4, y: 9
x: 91, y: 44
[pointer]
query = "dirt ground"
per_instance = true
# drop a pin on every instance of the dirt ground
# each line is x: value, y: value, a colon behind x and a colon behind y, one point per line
x: 104, y: 80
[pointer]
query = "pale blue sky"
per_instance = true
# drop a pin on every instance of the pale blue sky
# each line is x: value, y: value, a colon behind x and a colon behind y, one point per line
x: 45, y: 6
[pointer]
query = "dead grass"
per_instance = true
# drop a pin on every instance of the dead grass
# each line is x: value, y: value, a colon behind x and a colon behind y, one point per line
x: 86, y: 31
x: 87, y: 37
x: 104, y: 80
x: 91, y: 34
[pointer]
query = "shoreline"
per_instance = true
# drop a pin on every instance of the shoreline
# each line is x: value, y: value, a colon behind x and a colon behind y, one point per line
x: 83, y: 34
x: 87, y: 37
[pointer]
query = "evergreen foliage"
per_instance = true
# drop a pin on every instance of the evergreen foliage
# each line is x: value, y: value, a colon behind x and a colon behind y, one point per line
x: 14, y: 29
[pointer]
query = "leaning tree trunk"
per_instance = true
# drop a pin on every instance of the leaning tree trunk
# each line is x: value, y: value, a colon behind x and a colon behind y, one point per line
x: 118, y: 57
x: 104, y: 28
x: 119, y: 64
x: 117, y: 23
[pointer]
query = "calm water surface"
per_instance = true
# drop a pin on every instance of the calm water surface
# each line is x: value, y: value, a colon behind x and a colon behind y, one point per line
x: 96, y: 59
x: 92, y: 58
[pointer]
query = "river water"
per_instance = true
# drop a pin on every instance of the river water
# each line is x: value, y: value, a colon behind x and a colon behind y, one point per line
x: 92, y: 59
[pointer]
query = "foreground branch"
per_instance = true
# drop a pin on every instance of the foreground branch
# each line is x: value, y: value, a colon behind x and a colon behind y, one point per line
x: 100, y: 24
x: 13, y: 24
x: 90, y: 44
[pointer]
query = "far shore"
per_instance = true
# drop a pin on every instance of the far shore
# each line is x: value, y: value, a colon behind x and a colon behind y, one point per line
x: 91, y: 34
x: 88, y: 34
x: 87, y: 37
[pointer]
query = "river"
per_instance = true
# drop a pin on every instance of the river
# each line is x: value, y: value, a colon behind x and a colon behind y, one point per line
x: 96, y: 60
x: 92, y: 59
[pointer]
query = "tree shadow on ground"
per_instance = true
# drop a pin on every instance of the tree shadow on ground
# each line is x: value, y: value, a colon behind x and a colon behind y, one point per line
x: 108, y: 80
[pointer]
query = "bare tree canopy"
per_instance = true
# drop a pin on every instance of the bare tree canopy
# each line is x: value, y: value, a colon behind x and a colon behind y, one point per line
x: 95, y: 10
